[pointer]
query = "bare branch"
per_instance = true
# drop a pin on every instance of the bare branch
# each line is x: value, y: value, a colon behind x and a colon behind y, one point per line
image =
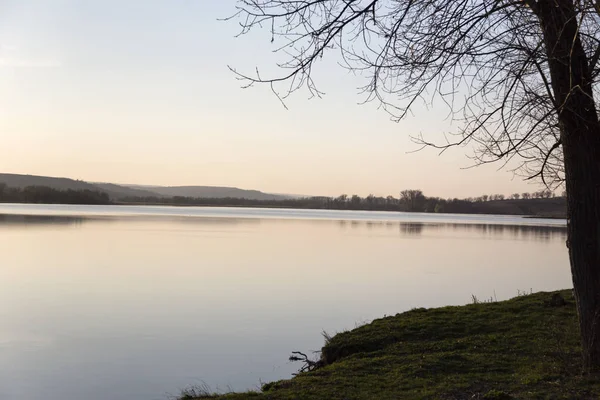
x: 486, y: 60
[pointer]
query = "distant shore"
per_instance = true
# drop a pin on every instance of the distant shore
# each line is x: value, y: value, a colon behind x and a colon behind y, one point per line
x: 550, y: 208
x: 47, y: 190
x: 277, y: 206
x: 546, y: 216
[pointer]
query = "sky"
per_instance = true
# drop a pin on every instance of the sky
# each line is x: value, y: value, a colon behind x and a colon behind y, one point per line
x: 138, y: 92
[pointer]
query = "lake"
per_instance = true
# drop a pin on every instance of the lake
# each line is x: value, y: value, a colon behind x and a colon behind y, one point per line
x: 118, y: 302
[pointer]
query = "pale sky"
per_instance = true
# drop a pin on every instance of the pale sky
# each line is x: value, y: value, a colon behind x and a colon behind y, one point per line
x: 138, y: 91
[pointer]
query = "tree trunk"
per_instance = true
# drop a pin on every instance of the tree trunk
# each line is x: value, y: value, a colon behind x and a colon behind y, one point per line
x: 580, y: 137
x: 582, y: 165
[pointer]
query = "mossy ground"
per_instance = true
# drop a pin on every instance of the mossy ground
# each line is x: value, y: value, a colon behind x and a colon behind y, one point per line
x: 524, y: 348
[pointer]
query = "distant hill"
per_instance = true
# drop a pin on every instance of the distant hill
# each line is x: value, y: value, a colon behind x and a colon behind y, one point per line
x: 114, y: 191
x: 21, y: 181
x: 212, y: 192
x: 117, y: 192
x: 121, y: 191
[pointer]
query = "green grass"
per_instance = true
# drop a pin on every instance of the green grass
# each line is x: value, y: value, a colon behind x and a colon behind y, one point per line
x: 524, y: 348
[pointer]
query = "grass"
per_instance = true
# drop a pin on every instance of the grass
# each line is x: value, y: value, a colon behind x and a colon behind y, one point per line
x: 196, y: 392
x: 524, y: 348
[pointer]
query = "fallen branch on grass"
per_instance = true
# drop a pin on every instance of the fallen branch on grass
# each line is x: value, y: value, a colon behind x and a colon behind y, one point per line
x: 309, y: 365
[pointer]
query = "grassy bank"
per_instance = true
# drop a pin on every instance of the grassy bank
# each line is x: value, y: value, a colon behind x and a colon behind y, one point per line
x: 524, y: 348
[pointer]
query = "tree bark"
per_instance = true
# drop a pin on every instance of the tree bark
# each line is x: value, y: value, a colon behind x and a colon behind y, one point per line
x: 580, y: 136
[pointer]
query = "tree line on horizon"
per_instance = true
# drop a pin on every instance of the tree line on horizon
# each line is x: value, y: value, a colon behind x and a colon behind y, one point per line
x: 48, y: 195
x: 408, y: 201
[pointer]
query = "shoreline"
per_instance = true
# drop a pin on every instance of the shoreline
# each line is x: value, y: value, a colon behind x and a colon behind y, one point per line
x: 285, y: 207
x: 523, y: 348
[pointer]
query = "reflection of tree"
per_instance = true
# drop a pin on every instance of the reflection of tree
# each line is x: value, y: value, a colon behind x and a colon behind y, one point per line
x: 526, y: 232
x: 411, y: 228
x: 514, y: 231
x: 14, y: 219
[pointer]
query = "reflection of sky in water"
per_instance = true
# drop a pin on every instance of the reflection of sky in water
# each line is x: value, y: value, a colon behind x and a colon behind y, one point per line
x: 124, y: 306
x: 270, y: 213
x: 498, y: 226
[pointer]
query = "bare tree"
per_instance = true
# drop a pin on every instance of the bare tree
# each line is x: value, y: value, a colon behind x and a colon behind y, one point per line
x: 412, y: 199
x: 520, y: 76
x: 342, y: 198
x: 546, y: 194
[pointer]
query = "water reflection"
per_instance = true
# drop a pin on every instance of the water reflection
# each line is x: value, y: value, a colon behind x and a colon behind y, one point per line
x: 8, y: 220
x: 412, y: 228
x: 493, y: 230
x: 487, y: 230
x: 515, y: 231
x: 105, y: 306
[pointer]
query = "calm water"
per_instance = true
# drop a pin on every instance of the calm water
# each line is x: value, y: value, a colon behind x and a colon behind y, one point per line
x: 134, y: 303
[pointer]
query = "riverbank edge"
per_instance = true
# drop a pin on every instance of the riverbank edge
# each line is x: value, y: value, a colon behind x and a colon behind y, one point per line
x: 523, y: 348
x: 556, y: 215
